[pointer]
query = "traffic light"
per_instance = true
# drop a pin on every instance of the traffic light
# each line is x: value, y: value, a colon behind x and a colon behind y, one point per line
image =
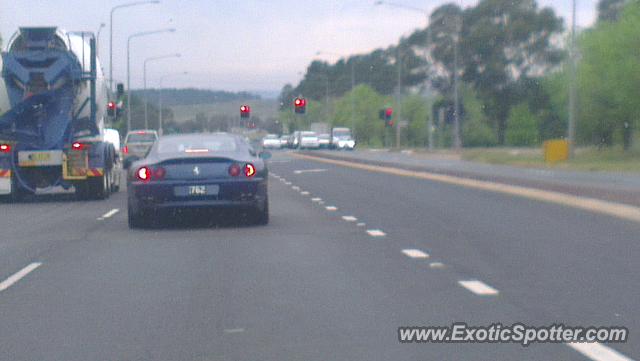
x: 112, y: 108
x: 245, y: 111
x: 119, y: 90
x: 387, y: 115
x: 300, y: 105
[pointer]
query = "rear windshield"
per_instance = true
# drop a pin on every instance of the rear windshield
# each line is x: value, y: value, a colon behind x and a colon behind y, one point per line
x: 196, y: 144
x: 141, y: 138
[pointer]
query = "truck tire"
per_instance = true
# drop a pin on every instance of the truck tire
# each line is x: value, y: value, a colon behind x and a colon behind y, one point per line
x: 100, y: 187
x: 16, y: 194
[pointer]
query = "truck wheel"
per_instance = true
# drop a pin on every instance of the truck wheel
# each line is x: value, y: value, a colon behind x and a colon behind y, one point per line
x: 100, y: 187
x: 16, y: 193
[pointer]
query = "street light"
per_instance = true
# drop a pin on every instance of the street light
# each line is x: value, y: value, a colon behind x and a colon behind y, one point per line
x: 428, y: 58
x: 137, y: 35
x: 161, y: 120
x: 146, y: 102
x: 113, y: 9
x: 353, y: 85
x: 102, y: 25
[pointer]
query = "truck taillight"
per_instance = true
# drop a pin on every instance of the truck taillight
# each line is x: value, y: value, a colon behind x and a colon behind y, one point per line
x: 5, y: 148
x: 249, y: 170
x: 79, y: 146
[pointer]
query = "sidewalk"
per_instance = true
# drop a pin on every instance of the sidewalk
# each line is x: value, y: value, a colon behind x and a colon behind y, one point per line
x: 610, y: 186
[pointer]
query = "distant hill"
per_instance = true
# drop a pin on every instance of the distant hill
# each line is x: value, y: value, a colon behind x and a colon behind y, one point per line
x: 192, y: 96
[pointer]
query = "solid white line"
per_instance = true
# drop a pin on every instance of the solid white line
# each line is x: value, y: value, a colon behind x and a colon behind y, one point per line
x: 331, y: 208
x: 18, y: 276
x: 109, y: 214
x: 349, y: 218
x: 479, y: 287
x: 598, y: 352
x: 309, y: 171
x: 415, y: 253
x: 376, y: 233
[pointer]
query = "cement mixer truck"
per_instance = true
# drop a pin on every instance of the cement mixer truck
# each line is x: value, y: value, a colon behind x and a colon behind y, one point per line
x: 53, y: 107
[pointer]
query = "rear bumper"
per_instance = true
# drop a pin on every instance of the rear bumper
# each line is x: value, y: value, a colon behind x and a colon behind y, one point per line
x: 160, y: 196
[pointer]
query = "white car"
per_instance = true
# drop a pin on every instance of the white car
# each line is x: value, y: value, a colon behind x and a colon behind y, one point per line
x: 271, y: 141
x: 309, y: 140
x: 341, y: 139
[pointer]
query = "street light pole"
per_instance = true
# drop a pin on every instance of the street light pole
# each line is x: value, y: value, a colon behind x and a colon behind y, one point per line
x: 146, y: 101
x: 457, y: 143
x: 136, y: 35
x: 571, y: 132
x: 113, y: 9
x: 102, y: 25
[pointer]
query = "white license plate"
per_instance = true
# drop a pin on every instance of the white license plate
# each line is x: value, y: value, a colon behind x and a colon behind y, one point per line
x: 40, y: 158
x: 197, y: 190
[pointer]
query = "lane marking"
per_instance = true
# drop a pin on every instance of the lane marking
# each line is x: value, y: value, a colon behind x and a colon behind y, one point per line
x: 234, y: 330
x: 479, y: 287
x: 618, y: 210
x: 316, y: 199
x: 331, y: 208
x: 376, y: 233
x: 18, y: 276
x: 598, y: 352
x: 436, y: 265
x: 361, y: 224
x: 415, y: 253
x: 301, y: 171
x: 349, y: 218
x: 295, y: 188
x: 304, y: 193
x: 287, y: 183
x: 109, y: 214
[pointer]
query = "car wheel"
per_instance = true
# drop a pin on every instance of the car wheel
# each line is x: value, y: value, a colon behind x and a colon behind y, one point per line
x: 261, y: 216
x: 136, y: 219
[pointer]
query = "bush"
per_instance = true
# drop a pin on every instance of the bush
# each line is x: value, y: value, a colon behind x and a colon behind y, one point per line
x: 477, y: 134
x: 522, y: 127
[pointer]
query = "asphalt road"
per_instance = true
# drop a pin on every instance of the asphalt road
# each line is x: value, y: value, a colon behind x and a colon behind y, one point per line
x: 327, y: 279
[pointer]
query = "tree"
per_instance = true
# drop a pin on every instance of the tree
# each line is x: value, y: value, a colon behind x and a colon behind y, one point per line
x: 609, y: 80
x: 368, y: 128
x: 505, y: 42
x: 522, y: 127
x: 610, y: 10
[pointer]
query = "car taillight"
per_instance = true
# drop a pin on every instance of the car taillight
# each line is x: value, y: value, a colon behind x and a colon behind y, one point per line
x: 159, y: 173
x: 144, y: 174
x: 78, y: 146
x: 249, y: 170
x: 5, y: 148
x: 234, y: 170
x: 125, y: 150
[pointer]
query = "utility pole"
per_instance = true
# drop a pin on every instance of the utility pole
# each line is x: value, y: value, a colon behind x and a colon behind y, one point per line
x: 571, y: 132
x: 457, y: 143
x: 399, y: 97
x: 428, y: 86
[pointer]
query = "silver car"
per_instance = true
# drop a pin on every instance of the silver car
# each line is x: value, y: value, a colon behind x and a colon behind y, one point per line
x: 137, y: 145
x: 309, y: 140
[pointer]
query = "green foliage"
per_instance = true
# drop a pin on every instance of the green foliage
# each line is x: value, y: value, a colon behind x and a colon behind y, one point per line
x: 522, y: 127
x: 609, y: 80
x: 414, y: 110
x: 367, y: 102
x: 476, y: 131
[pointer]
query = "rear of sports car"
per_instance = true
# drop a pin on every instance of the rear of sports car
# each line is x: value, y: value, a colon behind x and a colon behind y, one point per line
x: 207, y: 182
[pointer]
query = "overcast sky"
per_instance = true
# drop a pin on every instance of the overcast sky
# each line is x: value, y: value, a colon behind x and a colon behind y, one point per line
x: 255, y: 45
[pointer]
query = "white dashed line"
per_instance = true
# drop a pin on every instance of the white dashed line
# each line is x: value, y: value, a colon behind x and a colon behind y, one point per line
x: 376, y: 233
x: 295, y: 188
x: 304, y: 193
x: 361, y: 224
x: 287, y: 183
x: 234, y: 330
x: 598, y: 352
x: 415, y: 253
x: 331, y: 208
x: 349, y: 218
x: 479, y: 287
x: 436, y: 265
x: 109, y: 214
x: 18, y: 276
x: 309, y: 171
x: 316, y: 199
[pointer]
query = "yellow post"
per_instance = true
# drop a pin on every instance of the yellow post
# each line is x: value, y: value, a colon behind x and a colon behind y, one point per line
x: 556, y: 150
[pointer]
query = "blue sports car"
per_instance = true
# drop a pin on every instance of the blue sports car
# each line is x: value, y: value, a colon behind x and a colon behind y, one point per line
x: 216, y: 170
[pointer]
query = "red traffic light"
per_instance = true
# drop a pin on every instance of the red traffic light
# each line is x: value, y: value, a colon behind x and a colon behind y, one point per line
x: 300, y: 102
x: 245, y: 109
x: 111, y: 105
x: 388, y: 113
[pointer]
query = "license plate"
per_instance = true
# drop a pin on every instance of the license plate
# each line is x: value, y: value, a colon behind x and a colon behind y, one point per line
x: 197, y: 191
x: 40, y: 158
